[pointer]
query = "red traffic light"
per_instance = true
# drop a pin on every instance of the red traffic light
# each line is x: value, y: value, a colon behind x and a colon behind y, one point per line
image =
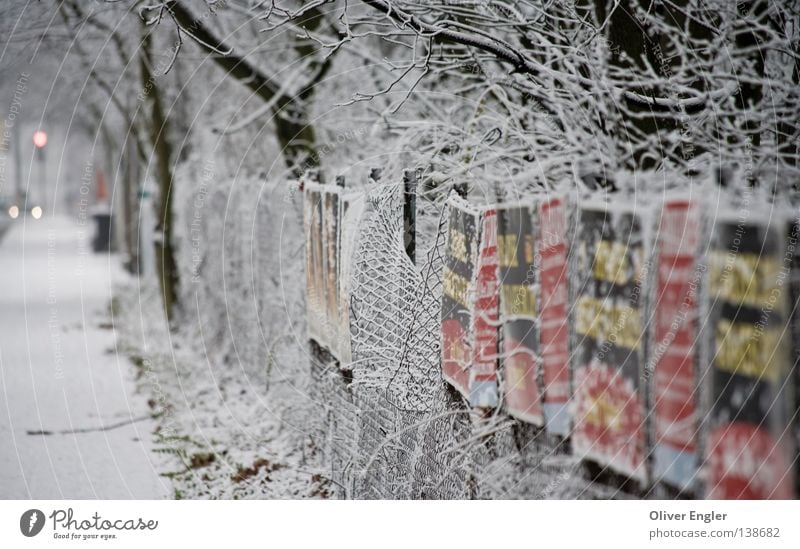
x: 39, y: 139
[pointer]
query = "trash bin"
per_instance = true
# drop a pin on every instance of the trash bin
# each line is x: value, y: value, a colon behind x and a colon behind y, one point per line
x: 102, y: 235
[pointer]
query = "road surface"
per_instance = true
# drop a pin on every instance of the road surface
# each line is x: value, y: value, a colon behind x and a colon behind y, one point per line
x: 61, y: 381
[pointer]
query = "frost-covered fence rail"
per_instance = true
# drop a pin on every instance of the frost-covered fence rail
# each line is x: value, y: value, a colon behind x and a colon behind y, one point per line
x: 559, y: 346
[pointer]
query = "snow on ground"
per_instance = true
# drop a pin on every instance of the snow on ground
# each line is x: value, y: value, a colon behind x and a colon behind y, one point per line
x: 157, y: 413
x: 216, y: 421
x: 73, y: 425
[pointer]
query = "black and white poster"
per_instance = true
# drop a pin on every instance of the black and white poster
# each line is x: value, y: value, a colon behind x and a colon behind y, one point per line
x: 609, y: 343
x: 518, y: 312
x: 748, y: 440
x: 458, y: 295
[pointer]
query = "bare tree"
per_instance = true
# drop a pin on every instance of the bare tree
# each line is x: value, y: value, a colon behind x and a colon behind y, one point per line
x: 629, y: 84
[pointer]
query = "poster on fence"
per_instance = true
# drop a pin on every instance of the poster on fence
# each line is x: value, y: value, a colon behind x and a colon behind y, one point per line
x: 672, y: 363
x: 609, y: 403
x: 553, y: 312
x: 516, y: 250
x: 483, y: 370
x: 461, y: 255
x: 330, y: 244
x: 315, y: 289
x: 748, y: 450
x: 793, y: 252
x: 352, y: 209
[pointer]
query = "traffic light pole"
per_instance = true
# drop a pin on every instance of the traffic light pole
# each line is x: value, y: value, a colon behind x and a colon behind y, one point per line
x: 40, y: 160
x: 19, y: 198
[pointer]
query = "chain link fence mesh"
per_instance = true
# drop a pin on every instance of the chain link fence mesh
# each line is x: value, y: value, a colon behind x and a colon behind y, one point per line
x: 382, y: 424
x: 394, y: 428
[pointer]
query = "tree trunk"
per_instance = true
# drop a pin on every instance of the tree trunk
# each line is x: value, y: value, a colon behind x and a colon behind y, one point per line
x: 162, y: 151
x: 130, y: 206
x: 295, y: 134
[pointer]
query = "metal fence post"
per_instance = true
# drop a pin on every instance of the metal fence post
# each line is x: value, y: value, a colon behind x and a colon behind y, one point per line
x: 410, y: 213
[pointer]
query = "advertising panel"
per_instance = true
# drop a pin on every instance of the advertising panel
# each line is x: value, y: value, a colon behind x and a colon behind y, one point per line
x: 673, y: 360
x: 609, y: 411
x: 458, y: 277
x: 554, y: 311
x: 483, y: 370
x: 748, y: 449
x: 518, y: 310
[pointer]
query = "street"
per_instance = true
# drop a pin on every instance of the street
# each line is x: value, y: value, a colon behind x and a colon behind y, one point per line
x: 71, y: 424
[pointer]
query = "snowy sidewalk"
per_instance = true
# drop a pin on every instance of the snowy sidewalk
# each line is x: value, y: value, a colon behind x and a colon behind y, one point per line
x: 70, y: 423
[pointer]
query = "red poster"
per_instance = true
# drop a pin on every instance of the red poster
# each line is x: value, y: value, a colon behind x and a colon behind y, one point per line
x: 553, y: 314
x: 455, y: 361
x: 611, y: 416
x: 483, y: 371
x: 746, y: 462
x: 522, y: 393
x: 675, y: 309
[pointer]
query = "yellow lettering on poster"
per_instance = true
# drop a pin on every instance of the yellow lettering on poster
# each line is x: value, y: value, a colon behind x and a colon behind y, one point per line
x: 747, y: 349
x: 518, y: 299
x: 610, y: 262
x: 457, y: 352
x: 455, y: 287
x: 507, y: 250
x: 516, y: 374
x: 603, y: 412
x: 457, y: 246
x: 745, y: 278
x: 605, y: 321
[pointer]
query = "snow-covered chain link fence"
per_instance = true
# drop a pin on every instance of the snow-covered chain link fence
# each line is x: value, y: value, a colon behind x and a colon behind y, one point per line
x: 374, y: 415
x: 394, y: 429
